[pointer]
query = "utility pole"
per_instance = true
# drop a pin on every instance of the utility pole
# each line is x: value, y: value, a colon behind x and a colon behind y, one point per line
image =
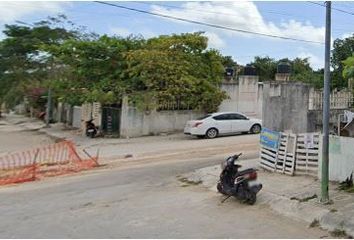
x: 326, y: 104
x: 48, y: 109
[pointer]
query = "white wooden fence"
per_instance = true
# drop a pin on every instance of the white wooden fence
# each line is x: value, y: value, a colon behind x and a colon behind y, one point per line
x: 296, y: 154
x: 338, y: 99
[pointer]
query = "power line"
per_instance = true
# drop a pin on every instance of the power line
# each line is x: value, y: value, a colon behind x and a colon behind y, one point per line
x: 207, y: 24
x: 337, y: 9
x: 225, y: 14
x: 205, y: 11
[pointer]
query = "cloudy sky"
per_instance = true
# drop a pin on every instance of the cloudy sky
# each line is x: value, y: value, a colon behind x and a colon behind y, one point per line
x: 301, y: 20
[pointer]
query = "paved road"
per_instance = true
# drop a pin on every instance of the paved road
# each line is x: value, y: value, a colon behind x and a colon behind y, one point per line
x: 15, y: 135
x: 14, y: 138
x: 144, y: 201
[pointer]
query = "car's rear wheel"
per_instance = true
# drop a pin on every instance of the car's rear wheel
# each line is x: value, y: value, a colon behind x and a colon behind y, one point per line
x: 256, y: 128
x: 211, y: 133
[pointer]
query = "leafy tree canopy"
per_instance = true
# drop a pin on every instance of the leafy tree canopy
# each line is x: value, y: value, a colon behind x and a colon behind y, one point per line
x: 301, y: 70
x: 178, y: 68
x: 348, y: 71
x: 342, y: 50
x: 23, y: 63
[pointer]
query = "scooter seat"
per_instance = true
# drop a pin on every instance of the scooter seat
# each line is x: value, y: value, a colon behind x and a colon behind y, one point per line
x: 246, y: 171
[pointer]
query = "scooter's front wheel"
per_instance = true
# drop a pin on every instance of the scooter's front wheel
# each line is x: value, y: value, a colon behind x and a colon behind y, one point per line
x: 219, y: 188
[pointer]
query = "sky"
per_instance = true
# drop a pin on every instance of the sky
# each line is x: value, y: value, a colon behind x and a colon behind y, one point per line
x: 300, y: 20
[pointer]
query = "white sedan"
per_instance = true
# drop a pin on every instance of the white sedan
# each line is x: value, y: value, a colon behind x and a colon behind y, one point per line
x: 222, y: 123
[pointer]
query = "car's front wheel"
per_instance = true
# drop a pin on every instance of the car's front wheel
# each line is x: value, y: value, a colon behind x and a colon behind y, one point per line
x: 256, y: 128
x: 211, y: 133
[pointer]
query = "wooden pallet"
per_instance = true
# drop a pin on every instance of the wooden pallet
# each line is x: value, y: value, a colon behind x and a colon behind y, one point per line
x: 268, y: 158
x: 285, y: 161
x: 307, y: 159
x: 293, y: 156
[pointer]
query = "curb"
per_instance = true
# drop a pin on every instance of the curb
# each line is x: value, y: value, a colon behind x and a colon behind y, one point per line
x: 301, y: 211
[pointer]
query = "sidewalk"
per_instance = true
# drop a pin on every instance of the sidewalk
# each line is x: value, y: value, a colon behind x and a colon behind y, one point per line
x: 147, y: 148
x: 294, y: 197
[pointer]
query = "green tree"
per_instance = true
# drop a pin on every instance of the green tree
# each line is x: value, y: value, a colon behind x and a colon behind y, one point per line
x: 24, y: 65
x: 266, y: 68
x: 177, y: 68
x: 342, y: 49
x: 348, y: 71
x: 94, y: 70
x: 301, y: 70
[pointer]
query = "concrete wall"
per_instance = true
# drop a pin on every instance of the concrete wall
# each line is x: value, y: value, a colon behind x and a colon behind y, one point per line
x: 315, y: 119
x: 341, y: 158
x: 231, y: 104
x: 77, y: 123
x: 245, y: 95
x: 135, y: 123
x: 285, y: 106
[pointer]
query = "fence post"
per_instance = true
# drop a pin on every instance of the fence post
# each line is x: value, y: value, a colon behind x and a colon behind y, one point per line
x: 35, y: 165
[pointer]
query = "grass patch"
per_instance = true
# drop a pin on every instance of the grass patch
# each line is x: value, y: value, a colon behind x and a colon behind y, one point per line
x: 305, y: 199
x: 347, y: 185
x: 350, y: 190
x: 188, y: 182
x: 339, y: 233
x: 314, y: 223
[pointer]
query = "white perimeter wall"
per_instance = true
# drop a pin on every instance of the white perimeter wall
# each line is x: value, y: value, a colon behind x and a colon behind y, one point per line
x: 244, y: 96
x: 341, y: 158
x: 135, y: 123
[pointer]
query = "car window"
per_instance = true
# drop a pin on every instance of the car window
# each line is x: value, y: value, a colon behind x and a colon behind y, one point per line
x: 204, y: 117
x: 222, y: 117
x: 236, y: 116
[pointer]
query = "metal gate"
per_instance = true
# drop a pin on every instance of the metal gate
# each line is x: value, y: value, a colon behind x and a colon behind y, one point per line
x: 111, y: 121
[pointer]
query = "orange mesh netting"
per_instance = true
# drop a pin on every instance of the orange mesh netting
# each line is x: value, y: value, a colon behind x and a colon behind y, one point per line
x: 50, y: 160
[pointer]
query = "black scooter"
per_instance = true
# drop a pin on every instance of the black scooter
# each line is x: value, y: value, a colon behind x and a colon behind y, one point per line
x: 238, y: 183
x: 91, y: 129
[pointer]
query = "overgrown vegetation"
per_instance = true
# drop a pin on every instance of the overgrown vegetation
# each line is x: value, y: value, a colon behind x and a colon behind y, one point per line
x: 80, y: 67
x: 186, y: 182
x: 347, y: 185
x: 342, y: 50
x: 314, y: 223
x: 305, y: 199
x: 301, y: 70
x: 339, y: 233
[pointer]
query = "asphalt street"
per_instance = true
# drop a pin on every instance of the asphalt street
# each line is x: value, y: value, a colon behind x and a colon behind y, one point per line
x: 146, y: 201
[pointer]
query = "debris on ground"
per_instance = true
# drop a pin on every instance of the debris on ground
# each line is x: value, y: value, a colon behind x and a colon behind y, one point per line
x: 305, y: 199
x: 186, y: 182
x: 315, y: 223
x: 339, y: 233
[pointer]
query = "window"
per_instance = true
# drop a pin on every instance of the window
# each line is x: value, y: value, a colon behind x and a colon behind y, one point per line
x: 222, y: 117
x: 236, y: 116
x: 204, y: 117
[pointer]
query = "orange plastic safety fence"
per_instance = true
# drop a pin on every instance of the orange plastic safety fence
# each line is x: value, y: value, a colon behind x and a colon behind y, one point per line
x: 50, y: 160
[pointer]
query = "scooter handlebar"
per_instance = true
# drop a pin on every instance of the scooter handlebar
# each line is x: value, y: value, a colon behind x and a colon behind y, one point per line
x: 236, y: 155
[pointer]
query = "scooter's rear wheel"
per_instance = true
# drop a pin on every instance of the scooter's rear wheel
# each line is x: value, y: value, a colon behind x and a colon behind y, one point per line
x: 252, y: 198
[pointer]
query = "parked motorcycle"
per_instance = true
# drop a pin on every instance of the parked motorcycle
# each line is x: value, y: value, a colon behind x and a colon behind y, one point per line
x: 239, y: 184
x: 91, y: 129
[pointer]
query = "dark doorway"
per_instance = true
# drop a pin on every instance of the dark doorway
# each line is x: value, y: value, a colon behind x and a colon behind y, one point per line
x: 111, y: 121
